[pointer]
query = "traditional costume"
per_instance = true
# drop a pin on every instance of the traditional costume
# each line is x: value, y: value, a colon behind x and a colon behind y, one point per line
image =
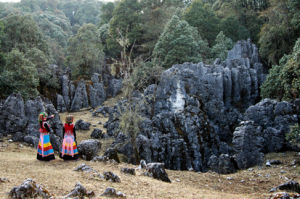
x: 69, y: 148
x: 44, y: 151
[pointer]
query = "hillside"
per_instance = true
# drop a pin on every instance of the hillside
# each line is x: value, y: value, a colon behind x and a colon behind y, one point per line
x: 18, y: 162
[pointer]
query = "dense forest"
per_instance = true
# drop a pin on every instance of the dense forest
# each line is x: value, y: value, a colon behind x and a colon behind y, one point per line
x: 137, y: 39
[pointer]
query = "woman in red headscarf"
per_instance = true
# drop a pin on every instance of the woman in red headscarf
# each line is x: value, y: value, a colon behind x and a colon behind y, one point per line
x: 45, y: 151
x: 69, y: 148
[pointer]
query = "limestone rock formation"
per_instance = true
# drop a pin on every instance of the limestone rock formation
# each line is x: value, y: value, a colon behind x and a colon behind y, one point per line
x: 80, y: 99
x: 114, y: 87
x: 190, y: 116
x: 21, y: 119
x: 97, y: 92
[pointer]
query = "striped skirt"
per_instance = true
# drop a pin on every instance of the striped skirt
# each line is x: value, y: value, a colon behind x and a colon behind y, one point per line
x: 45, y: 151
x: 69, y: 149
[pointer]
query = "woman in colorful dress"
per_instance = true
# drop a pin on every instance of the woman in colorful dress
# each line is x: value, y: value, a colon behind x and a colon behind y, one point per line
x: 69, y: 148
x: 45, y: 151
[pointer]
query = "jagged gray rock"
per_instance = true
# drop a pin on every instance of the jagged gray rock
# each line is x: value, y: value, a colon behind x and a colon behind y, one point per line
x: 111, y: 192
x: 157, y: 171
x: 79, y: 192
x: 80, y: 99
x: 247, y: 144
x: 21, y: 119
x: 82, y: 125
x: 191, y: 114
x: 12, y: 115
x: 61, y: 106
x: 114, y: 87
x: 110, y: 176
x: 97, y: 134
x: 130, y: 171
x: 97, y: 92
x: 29, y: 189
x: 88, y: 149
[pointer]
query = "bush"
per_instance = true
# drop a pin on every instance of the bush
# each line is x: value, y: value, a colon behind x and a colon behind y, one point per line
x: 294, y: 135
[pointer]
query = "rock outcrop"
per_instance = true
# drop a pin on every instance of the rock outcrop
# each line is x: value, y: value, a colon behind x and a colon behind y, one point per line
x: 74, y: 98
x: 190, y: 116
x: 20, y: 119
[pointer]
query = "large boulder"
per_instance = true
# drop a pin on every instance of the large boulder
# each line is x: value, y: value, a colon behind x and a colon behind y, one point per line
x: 248, y: 144
x: 88, y: 149
x: 80, y: 99
x: 82, y: 125
x: 157, y: 171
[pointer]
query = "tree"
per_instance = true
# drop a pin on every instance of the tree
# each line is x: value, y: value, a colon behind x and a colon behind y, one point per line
x: 283, y: 81
x: 126, y: 20
x: 85, y: 51
x: 106, y: 13
x: 19, y: 75
x: 201, y: 16
x: 177, y: 44
x: 290, y: 75
x: 22, y: 32
x: 223, y: 44
x: 233, y: 29
x: 155, y: 15
x: 280, y: 31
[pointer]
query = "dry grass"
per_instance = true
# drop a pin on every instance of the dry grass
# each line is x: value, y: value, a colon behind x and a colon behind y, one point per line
x: 18, y: 162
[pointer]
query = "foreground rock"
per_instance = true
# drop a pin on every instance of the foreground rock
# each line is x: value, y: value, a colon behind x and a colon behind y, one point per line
x: 292, y: 186
x: 111, y: 192
x: 79, y: 192
x: 130, y: 171
x: 84, y: 167
x: 29, y: 189
x: 284, y: 195
x: 88, y: 149
x: 157, y: 171
x: 110, y: 176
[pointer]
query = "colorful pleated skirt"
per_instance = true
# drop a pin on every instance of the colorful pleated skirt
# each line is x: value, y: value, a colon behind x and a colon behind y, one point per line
x: 45, y: 151
x: 69, y: 149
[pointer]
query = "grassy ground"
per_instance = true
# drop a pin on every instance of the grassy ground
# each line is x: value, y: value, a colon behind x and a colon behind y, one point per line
x: 18, y: 162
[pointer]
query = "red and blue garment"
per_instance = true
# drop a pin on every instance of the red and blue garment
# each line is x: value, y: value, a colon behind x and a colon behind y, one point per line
x: 69, y: 149
x: 45, y: 150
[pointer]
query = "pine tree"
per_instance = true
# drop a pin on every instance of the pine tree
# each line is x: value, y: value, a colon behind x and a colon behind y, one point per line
x: 177, y: 44
x: 221, y: 47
